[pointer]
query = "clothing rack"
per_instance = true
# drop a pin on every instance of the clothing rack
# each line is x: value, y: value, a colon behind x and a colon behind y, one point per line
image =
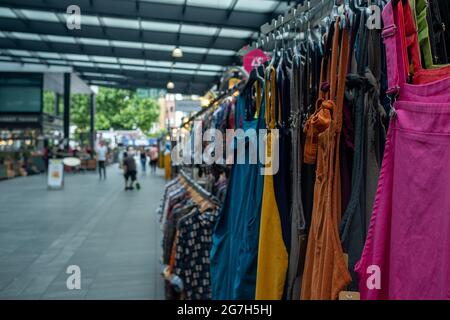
x: 199, y: 188
x: 292, y: 14
x: 221, y: 96
x: 311, y: 11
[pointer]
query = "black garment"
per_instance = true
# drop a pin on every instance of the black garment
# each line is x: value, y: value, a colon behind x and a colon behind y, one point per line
x: 311, y: 85
x: 437, y: 30
x: 298, y: 232
x: 153, y: 164
x: 444, y: 7
x: 102, y: 169
x: 362, y: 92
x: 130, y: 175
x: 130, y: 163
x: 282, y: 179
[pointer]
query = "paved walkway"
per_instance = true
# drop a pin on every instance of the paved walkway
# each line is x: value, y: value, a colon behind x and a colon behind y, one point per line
x: 112, y: 235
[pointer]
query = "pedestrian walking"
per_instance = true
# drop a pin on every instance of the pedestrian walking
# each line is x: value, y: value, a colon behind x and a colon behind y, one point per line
x: 102, y: 154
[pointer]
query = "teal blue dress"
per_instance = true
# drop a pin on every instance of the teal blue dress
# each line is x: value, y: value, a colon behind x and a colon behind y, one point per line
x: 234, y: 253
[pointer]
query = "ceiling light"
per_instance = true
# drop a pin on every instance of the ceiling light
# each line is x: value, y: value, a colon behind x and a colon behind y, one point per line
x: 170, y: 85
x: 177, y: 53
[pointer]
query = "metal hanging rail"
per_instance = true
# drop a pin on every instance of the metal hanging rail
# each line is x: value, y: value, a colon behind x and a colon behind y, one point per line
x: 314, y: 11
x: 222, y: 96
x: 199, y: 188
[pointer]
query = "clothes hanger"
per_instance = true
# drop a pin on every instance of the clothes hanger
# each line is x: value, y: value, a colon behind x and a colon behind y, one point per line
x: 260, y: 69
x: 281, y: 51
x: 289, y: 50
x: 342, y: 11
x: 275, y: 48
x: 350, y: 13
x: 297, y: 56
x: 252, y: 78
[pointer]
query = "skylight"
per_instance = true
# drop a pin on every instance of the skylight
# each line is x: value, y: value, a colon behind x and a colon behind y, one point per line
x: 40, y: 15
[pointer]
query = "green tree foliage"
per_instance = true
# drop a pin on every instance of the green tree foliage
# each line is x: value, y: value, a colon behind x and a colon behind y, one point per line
x: 115, y: 108
x: 49, y: 102
x: 79, y: 112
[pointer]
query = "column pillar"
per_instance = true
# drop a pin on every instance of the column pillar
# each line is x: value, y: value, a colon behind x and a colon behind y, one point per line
x: 67, y: 79
x: 92, y: 122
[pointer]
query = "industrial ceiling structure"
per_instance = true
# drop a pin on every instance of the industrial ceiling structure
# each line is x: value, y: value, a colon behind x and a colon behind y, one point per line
x: 129, y: 43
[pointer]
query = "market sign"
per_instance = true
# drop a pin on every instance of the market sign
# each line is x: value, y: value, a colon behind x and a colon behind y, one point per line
x: 55, y: 174
x: 20, y: 119
x: 254, y: 59
x: 188, y: 106
x: 144, y: 93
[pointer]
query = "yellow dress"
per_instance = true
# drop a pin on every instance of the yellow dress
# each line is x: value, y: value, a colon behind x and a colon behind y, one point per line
x: 272, y: 253
x: 167, y: 166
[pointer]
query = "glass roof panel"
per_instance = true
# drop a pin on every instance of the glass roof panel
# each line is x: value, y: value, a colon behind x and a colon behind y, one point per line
x: 26, y: 36
x: 81, y: 57
x: 235, y: 33
x: 60, y: 62
x: 283, y: 8
x: 200, y: 30
x: 131, y: 61
x: 21, y: 53
x: 61, y: 39
x: 160, y: 26
x: 210, y: 67
x: 166, y: 1
x: 182, y: 71
x: 95, y: 42
x: 262, y: 6
x: 7, y: 13
x: 84, y: 64
x: 166, y: 64
x: 31, y: 60
x: 103, y: 82
x: 207, y: 73
x: 194, y: 50
x: 108, y: 75
x: 185, y: 65
x: 90, y: 20
x: 219, y: 4
x: 127, y: 44
x: 121, y: 23
x: 40, y: 15
x: 104, y: 59
x: 220, y: 52
x: 49, y: 55
x: 158, y: 47
x: 108, y: 65
x: 136, y: 68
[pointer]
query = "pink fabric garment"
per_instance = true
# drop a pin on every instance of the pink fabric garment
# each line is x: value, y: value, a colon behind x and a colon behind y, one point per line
x: 409, y: 235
